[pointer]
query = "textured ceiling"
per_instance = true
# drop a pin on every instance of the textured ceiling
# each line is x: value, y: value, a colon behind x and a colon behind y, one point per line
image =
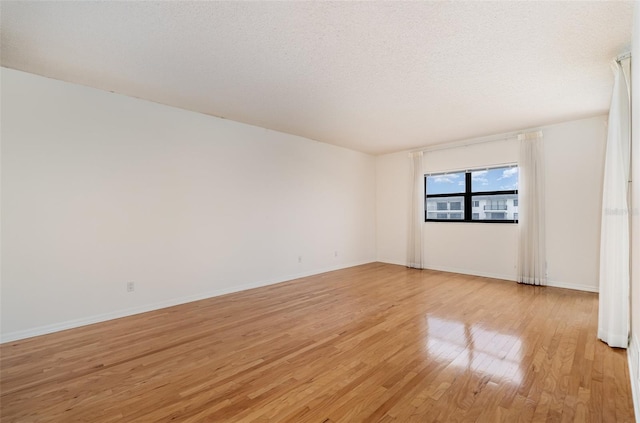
x: 371, y: 76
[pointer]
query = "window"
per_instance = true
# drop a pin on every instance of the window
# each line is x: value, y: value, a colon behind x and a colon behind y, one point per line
x: 491, y: 193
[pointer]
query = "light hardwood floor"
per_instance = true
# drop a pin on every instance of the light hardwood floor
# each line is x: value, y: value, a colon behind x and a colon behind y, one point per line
x: 371, y: 343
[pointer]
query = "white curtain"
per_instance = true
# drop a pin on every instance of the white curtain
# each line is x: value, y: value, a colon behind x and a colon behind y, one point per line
x: 532, y: 261
x: 416, y: 211
x: 613, y: 316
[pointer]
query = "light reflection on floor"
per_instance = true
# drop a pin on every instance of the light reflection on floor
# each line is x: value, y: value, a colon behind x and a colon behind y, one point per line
x: 476, y: 348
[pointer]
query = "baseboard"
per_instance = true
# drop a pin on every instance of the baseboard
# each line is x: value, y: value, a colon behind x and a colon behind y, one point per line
x: 452, y: 270
x: 471, y: 272
x: 555, y: 284
x: 70, y: 324
x: 399, y: 263
x: 634, y: 373
x: 455, y: 270
x: 576, y: 287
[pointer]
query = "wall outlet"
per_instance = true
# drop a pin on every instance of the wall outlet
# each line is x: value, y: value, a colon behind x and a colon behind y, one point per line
x: 335, y: 253
x: 131, y: 286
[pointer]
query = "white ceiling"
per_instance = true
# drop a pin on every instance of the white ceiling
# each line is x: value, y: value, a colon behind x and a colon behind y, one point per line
x: 370, y: 76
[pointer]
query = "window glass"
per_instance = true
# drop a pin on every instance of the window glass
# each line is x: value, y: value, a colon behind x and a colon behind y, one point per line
x: 445, y: 208
x: 450, y: 183
x: 496, y: 207
x: 501, y: 179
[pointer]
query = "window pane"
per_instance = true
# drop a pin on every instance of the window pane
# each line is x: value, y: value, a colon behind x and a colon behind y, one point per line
x: 445, y: 208
x: 496, y: 207
x: 451, y: 183
x: 501, y: 179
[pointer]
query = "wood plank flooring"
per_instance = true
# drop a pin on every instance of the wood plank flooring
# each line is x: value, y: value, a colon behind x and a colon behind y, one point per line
x: 373, y: 343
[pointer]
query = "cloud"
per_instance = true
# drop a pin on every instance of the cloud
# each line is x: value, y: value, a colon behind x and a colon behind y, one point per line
x: 480, y: 176
x: 510, y: 186
x: 446, y: 179
x: 508, y: 173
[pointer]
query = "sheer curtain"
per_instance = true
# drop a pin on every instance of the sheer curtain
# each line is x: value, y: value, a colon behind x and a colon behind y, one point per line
x: 532, y: 260
x: 416, y: 211
x: 613, y: 315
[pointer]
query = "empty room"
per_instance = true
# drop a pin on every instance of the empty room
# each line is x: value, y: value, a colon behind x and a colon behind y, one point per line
x: 314, y: 211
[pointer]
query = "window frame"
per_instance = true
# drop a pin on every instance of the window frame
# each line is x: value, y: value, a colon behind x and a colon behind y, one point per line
x: 468, y: 195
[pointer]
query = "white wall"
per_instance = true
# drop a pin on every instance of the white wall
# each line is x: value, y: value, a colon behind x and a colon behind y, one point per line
x: 99, y: 189
x: 574, y: 158
x: 574, y: 154
x: 392, y: 214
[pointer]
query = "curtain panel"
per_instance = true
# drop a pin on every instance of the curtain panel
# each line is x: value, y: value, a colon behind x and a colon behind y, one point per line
x: 416, y: 211
x: 613, y: 315
x: 532, y: 261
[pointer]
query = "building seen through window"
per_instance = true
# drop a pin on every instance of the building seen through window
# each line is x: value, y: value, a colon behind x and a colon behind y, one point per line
x: 488, y: 207
x: 474, y: 195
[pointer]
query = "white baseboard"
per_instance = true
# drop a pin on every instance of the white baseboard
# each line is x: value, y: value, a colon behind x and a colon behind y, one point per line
x: 455, y: 270
x: 633, y: 359
x: 558, y: 284
x: 471, y: 272
x: 70, y: 324
x: 399, y: 263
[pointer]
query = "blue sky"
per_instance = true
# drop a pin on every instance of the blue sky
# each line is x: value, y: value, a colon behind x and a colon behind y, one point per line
x: 481, y: 180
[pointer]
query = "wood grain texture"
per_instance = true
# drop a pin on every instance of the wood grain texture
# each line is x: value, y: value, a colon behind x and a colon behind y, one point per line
x: 372, y: 343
